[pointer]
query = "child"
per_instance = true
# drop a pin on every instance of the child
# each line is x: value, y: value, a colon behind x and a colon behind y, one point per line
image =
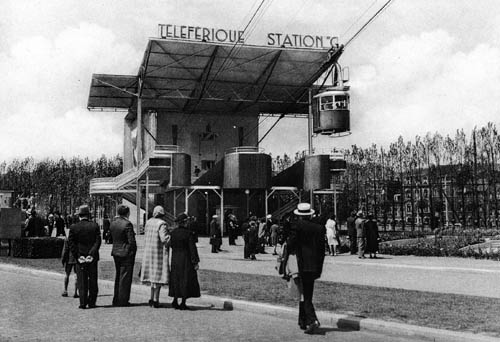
x: 69, y: 262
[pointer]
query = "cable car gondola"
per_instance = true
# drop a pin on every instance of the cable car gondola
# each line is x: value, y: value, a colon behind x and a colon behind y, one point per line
x: 331, y: 108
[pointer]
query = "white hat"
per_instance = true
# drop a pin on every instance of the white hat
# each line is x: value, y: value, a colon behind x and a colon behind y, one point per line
x: 269, y: 216
x: 303, y: 209
x: 158, y: 211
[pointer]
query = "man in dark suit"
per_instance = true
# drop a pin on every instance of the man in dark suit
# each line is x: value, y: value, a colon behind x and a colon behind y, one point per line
x: 84, y: 241
x: 215, y: 235
x: 309, y: 240
x: 123, y: 252
x: 351, y: 231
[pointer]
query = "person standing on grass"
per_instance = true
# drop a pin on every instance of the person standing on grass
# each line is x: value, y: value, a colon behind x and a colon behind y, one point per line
x: 361, y: 234
x: 185, y: 263
x: 69, y: 263
x: 308, y: 240
x: 351, y: 232
x: 123, y: 252
x: 84, y: 242
x: 371, y: 236
x: 155, y: 260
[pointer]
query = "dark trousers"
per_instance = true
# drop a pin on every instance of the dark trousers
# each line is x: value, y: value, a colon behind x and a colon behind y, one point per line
x: 87, y: 283
x: 307, y: 313
x: 124, y: 268
x: 232, y: 236
x: 353, y: 246
x: 361, y: 246
x: 246, y: 251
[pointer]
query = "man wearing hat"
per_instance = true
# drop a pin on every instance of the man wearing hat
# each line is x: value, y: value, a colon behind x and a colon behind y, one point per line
x: 123, y: 252
x: 215, y: 235
x: 308, y: 240
x: 84, y: 241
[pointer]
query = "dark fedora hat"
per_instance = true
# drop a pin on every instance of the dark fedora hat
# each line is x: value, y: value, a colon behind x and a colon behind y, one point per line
x: 181, y: 217
x: 84, y: 210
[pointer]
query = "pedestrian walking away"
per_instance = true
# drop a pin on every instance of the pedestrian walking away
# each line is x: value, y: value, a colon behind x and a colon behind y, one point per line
x: 185, y: 260
x: 307, y: 239
x: 84, y: 242
x: 155, y: 260
x: 123, y: 252
x: 69, y: 263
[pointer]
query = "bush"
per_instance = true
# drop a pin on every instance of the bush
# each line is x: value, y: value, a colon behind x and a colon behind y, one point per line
x: 439, y: 246
x: 37, y: 247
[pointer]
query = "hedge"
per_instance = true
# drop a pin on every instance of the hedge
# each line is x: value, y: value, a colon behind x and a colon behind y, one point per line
x: 37, y: 247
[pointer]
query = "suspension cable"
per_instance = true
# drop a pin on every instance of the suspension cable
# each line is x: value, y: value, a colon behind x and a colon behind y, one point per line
x: 368, y: 22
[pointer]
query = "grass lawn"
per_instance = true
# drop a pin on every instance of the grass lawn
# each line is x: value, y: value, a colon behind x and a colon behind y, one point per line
x: 445, y: 311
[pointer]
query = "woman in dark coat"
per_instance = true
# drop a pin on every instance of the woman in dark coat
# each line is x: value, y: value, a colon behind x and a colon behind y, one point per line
x: 371, y: 237
x: 183, y: 265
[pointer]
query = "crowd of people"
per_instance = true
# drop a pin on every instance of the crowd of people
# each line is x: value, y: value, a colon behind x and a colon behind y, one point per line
x: 170, y: 257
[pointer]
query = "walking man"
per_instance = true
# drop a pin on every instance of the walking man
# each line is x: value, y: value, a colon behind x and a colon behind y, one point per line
x: 308, y: 239
x: 123, y: 252
x: 84, y: 242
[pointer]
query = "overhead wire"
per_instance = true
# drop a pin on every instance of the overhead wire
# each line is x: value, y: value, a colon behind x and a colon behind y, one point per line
x: 373, y: 17
x: 382, y: 9
x: 359, y: 18
x: 247, y: 32
x: 227, y: 57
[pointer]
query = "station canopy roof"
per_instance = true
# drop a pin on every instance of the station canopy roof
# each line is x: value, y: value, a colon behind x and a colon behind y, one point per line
x: 198, y: 77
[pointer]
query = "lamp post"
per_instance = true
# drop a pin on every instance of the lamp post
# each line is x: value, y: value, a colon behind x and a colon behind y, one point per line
x: 247, y: 192
x: 207, y: 214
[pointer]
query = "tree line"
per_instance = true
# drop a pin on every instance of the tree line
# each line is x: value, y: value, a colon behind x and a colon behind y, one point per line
x: 459, y: 174
x: 55, y: 185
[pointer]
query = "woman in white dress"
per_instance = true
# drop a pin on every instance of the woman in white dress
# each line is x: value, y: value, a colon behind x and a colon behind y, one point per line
x: 331, y: 235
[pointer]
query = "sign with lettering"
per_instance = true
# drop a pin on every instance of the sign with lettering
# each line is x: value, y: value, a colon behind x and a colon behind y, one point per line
x: 207, y: 34
x: 301, y: 41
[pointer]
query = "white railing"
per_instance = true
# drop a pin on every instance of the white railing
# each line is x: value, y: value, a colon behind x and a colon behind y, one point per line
x: 245, y: 149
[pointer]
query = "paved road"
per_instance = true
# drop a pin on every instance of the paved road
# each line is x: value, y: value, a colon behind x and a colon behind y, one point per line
x: 32, y: 309
x: 434, y: 274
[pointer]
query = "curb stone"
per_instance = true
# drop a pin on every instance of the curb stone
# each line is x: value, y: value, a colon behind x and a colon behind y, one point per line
x: 348, y: 322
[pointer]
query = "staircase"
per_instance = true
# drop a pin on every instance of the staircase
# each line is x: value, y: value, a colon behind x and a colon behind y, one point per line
x: 169, y: 217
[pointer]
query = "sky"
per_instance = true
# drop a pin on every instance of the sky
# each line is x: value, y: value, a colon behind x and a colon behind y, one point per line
x: 421, y: 66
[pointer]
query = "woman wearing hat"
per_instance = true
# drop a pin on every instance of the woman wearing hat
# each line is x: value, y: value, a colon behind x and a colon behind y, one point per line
x: 183, y: 277
x: 155, y: 263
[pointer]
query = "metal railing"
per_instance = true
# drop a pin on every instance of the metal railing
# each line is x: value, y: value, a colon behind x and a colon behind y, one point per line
x: 244, y: 149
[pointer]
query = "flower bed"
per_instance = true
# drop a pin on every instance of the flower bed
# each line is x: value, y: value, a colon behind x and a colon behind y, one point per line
x: 437, y: 246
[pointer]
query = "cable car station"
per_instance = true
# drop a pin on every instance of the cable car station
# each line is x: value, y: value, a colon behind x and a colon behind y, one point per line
x: 191, y: 117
